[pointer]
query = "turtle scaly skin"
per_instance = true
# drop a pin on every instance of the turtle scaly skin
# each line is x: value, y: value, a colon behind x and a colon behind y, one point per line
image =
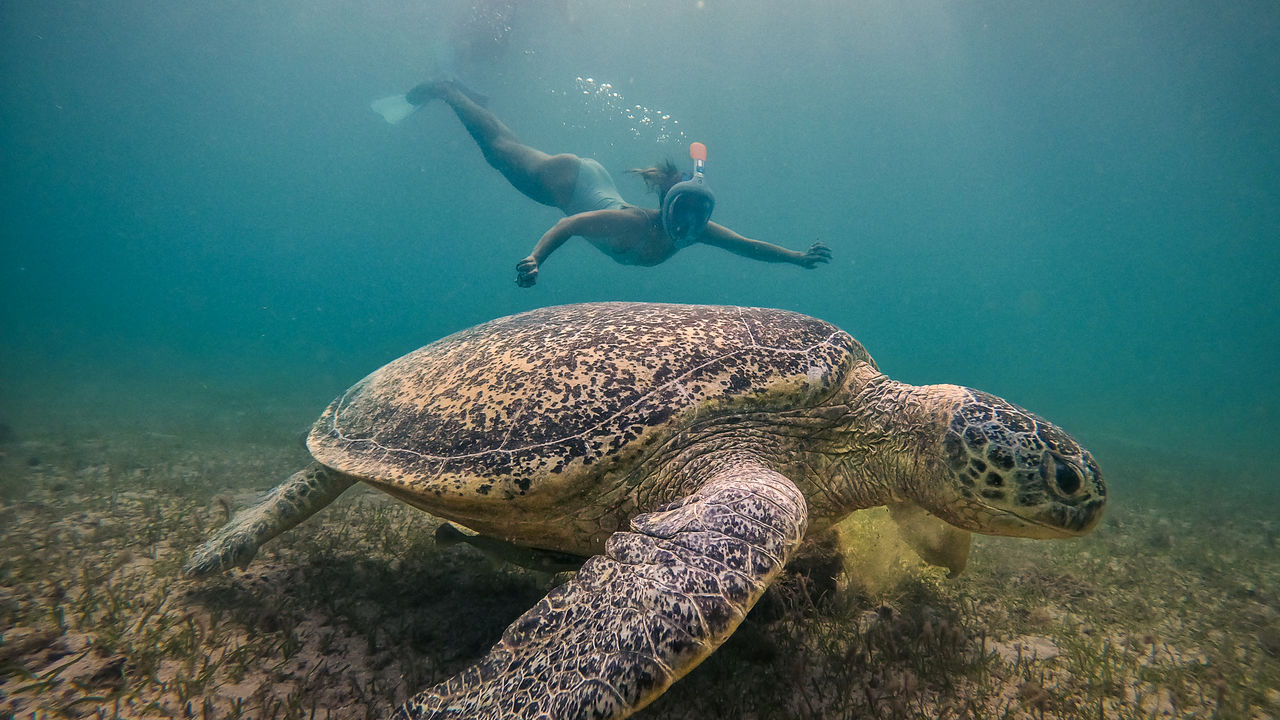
x: 689, y: 451
x: 660, y: 599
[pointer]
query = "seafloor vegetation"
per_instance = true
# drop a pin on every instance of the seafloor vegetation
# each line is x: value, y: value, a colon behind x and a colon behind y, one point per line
x: 1170, y: 610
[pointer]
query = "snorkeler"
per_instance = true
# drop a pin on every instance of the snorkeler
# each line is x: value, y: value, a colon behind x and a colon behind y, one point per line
x: 584, y: 191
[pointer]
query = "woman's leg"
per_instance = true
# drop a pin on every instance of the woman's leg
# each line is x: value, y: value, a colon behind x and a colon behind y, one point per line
x: 547, y: 179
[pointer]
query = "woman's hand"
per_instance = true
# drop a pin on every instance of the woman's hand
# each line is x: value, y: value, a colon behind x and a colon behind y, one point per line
x: 818, y: 253
x: 527, y: 272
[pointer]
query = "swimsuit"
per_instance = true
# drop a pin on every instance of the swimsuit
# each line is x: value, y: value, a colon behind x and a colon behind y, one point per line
x: 593, y: 190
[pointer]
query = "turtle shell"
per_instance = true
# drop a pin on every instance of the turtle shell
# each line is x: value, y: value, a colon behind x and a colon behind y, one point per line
x: 504, y: 407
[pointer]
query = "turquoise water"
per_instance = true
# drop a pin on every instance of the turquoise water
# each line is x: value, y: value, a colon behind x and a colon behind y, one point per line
x: 1074, y: 205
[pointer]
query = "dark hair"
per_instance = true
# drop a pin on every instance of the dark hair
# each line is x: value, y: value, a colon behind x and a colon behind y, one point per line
x: 660, y: 177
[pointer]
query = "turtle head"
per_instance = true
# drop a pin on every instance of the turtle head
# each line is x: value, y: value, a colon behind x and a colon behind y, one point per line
x: 1005, y: 471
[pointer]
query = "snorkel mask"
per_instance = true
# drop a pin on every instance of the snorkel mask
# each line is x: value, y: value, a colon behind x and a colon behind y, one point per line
x: 687, y: 206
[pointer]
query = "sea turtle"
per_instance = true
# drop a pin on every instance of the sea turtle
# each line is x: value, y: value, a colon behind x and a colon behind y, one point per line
x: 687, y: 451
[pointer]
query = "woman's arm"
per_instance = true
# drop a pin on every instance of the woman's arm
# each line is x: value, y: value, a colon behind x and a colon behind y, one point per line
x: 611, y: 225
x: 724, y: 238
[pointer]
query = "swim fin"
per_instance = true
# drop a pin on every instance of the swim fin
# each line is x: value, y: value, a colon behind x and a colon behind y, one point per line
x: 393, y: 109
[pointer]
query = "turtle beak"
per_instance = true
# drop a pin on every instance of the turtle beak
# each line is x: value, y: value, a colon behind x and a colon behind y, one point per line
x: 1011, y: 524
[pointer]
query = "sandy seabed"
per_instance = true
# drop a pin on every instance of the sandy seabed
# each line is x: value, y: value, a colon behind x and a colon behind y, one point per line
x: 1171, y: 609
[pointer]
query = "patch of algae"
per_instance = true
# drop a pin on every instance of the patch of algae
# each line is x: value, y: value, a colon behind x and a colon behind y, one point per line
x: 1169, y: 610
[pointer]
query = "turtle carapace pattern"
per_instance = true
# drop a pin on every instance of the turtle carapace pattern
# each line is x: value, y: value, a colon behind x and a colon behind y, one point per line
x: 688, y: 451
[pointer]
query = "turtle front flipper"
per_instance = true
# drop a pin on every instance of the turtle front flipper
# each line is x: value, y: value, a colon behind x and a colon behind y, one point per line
x: 291, y: 502
x: 640, y: 616
x: 936, y: 541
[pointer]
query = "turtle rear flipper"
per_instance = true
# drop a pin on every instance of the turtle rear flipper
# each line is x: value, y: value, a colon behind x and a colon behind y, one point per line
x: 637, y: 618
x: 544, y: 561
x: 299, y: 497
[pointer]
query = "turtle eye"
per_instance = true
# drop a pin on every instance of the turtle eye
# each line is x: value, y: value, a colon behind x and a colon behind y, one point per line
x: 1061, y: 475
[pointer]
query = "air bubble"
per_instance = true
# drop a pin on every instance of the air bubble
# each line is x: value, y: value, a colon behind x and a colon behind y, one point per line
x: 642, y: 122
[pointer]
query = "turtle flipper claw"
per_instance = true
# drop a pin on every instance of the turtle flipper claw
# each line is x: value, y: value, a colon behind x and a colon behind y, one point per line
x: 233, y: 546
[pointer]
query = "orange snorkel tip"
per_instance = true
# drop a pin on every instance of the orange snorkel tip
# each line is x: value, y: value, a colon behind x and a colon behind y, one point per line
x: 698, y: 152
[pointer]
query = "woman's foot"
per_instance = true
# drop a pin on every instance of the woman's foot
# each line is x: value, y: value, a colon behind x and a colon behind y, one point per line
x: 433, y: 89
x: 426, y: 92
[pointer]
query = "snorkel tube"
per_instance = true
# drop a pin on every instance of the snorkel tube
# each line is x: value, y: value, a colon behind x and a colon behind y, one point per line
x: 687, y: 206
